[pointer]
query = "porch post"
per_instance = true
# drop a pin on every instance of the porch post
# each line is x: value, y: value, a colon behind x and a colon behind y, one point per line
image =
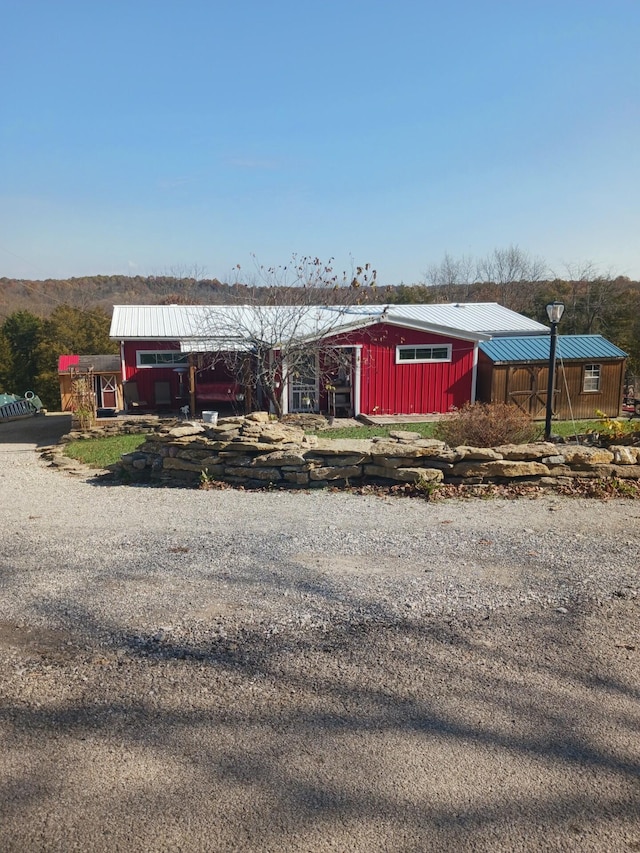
x: 357, y: 382
x: 474, y: 372
x: 123, y: 366
x: 192, y: 386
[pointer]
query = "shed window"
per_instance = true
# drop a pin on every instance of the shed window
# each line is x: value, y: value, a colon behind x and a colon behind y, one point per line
x: 591, y: 380
x: 423, y: 354
x: 161, y: 358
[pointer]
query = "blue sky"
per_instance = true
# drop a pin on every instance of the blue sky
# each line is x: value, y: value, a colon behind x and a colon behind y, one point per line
x: 147, y: 136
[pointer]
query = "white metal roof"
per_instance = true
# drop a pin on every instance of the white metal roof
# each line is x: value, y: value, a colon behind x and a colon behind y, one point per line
x: 191, y: 323
x: 490, y: 318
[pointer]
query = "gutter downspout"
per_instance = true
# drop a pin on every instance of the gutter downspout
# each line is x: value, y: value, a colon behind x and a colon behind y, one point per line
x: 123, y: 379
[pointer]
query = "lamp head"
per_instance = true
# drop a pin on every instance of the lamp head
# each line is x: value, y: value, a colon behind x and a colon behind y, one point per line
x: 555, y: 310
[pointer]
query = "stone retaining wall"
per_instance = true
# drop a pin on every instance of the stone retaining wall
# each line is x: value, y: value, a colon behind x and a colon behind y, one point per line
x: 253, y: 451
x: 115, y: 426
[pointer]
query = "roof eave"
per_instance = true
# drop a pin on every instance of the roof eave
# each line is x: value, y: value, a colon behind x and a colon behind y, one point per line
x: 445, y: 331
x: 526, y: 333
x: 544, y: 361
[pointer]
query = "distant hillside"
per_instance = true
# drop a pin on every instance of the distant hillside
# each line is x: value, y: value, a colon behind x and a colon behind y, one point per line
x: 600, y: 305
x: 41, y: 319
x: 105, y: 291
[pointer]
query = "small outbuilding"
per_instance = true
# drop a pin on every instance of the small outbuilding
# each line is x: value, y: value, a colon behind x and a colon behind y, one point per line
x: 98, y: 376
x: 590, y: 374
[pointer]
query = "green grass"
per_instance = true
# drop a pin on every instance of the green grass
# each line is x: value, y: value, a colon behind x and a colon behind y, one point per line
x: 100, y: 452
x: 565, y: 429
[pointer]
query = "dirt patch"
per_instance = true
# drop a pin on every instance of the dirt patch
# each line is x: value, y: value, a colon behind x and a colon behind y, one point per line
x: 31, y: 640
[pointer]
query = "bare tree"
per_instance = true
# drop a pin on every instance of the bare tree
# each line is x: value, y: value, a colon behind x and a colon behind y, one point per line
x: 597, y: 302
x: 453, y: 277
x: 305, y: 280
x: 283, y: 332
x: 506, y: 273
x: 512, y: 270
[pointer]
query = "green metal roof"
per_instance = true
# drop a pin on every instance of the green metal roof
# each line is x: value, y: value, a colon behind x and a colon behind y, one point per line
x: 536, y: 348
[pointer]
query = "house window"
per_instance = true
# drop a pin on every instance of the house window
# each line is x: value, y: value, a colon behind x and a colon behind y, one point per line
x: 423, y: 354
x: 591, y: 380
x: 161, y: 358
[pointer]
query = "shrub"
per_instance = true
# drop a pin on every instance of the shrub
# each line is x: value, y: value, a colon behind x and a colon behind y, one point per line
x: 486, y: 425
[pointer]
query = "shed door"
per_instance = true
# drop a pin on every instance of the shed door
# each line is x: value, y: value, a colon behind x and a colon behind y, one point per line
x: 108, y: 392
x: 527, y: 388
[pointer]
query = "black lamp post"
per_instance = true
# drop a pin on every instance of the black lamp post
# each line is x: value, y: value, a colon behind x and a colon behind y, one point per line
x: 555, y: 310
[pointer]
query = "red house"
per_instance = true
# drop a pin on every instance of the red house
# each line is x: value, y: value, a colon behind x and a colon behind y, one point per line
x: 373, y: 359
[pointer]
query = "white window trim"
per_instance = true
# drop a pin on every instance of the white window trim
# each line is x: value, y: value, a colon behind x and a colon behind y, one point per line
x: 403, y: 347
x: 183, y: 362
x: 591, y: 377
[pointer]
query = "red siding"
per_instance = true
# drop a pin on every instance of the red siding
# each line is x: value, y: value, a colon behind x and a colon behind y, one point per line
x: 146, y: 376
x: 388, y: 388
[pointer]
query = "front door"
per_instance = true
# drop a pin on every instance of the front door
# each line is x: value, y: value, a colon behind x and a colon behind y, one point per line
x: 303, y: 386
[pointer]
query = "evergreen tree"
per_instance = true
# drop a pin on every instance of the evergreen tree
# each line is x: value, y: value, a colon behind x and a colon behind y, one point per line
x: 23, y: 331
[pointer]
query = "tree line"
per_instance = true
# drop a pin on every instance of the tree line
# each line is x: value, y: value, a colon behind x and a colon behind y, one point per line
x: 30, y: 346
x: 596, y: 302
x: 45, y: 319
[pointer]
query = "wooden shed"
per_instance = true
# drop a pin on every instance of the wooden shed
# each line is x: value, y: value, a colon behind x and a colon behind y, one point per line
x: 104, y: 377
x: 590, y: 374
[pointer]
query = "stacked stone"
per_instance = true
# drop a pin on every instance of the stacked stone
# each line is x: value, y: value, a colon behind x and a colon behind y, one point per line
x: 115, y: 426
x: 254, y: 451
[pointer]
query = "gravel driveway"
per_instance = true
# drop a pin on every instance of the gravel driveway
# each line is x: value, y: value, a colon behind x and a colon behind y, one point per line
x: 312, y: 671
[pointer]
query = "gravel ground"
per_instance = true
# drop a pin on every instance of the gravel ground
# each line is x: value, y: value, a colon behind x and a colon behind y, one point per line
x: 311, y: 671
